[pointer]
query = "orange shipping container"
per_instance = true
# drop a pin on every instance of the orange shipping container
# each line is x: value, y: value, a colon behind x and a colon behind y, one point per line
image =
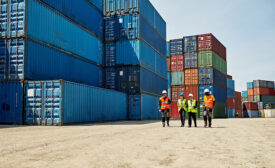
x: 168, y: 59
x: 250, y: 92
x: 191, y: 76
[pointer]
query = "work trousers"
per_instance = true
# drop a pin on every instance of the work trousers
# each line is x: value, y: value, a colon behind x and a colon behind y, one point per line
x: 165, y: 112
x: 190, y: 116
x: 207, y: 113
x: 182, y: 116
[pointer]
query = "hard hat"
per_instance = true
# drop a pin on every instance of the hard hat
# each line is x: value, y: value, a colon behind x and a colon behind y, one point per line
x: 191, y: 95
x: 182, y: 94
x: 206, y: 91
x: 164, y: 92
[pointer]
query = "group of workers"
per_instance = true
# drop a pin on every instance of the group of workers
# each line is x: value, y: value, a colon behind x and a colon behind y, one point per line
x: 189, y: 106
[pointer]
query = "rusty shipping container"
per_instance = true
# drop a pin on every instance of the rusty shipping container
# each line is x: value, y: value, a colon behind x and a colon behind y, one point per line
x: 168, y: 59
x: 208, y: 42
x: 191, y: 76
x: 238, y: 100
x: 250, y: 106
x: 230, y: 103
x: 263, y: 91
x: 177, y: 90
x: 177, y: 63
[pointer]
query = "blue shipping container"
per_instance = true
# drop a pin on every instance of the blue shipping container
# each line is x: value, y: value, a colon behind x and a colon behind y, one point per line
x: 191, y: 60
x: 231, y: 113
x: 137, y: 52
x: 98, y: 4
x: 169, y: 78
x: 134, y: 80
x: 37, y: 21
x: 251, y: 114
x: 211, y: 76
x: 134, y: 26
x: 263, y: 84
x: 190, y: 44
x: 110, y: 31
x: 144, y: 7
x: 60, y: 102
x: 176, y: 47
x: 27, y: 59
x: 167, y: 49
x: 143, y: 107
x: 110, y: 54
x: 219, y: 93
x: 80, y: 12
x: 244, y: 93
x: 11, y: 102
x: 230, y: 84
x: 231, y: 93
x: 250, y: 85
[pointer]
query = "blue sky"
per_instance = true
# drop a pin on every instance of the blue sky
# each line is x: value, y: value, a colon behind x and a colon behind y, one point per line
x: 245, y: 27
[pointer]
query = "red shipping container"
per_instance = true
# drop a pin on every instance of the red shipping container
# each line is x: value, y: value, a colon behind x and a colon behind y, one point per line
x: 177, y: 90
x: 250, y: 92
x: 263, y: 91
x: 168, y: 59
x: 250, y: 98
x: 229, y: 77
x: 238, y: 100
x: 174, y: 111
x: 230, y: 103
x: 174, y: 93
x: 191, y: 76
x: 177, y: 63
x: 208, y: 42
x: 250, y: 106
x: 240, y: 113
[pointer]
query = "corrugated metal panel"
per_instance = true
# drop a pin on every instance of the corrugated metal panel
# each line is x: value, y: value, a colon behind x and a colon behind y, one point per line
x: 230, y: 103
x: 211, y: 59
x: 168, y: 49
x: 250, y: 98
x: 263, y: 91
x: 219, y: 93
x: 230, y: 84
x: 263, y: 84
x: 251, y: 114
x: 48, y: 26
x: 98, y: 4
x: 177, y: 78
x: 190, y: 44
x: 177, y: 90
x: 249, y: 85
x: 11, y: 102
x: 210, y: 76
x: 168, y: 59
x: 238, y: 100
x: 60, y: 102
x: 191, y: 60
x: 80, y: 12
x: 177, y: 63
x: 191, y: 76
x: 230, y: 93
x: 250, y: 92
x: 209, y: 42
x: 110, y: 31
x: 250, y: 106
x: 176, y: 47
x: 27, y: 59
x: 244, y: 93
x: 143, y: 107
x: 110, y: 53
x: 169, y: 78
x: 122, y: 7
x: 231, y: 113
x: 110, y: 78
x: 169, y: 92
x: 161, y: 66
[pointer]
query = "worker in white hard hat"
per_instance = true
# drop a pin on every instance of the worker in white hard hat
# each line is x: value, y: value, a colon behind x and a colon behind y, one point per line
x: 192, y: 110
x: 164, y: 107
x: 209, y: 103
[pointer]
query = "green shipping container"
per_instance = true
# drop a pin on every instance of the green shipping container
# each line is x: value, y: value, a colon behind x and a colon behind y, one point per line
x: 244, y: 99
x: 177, y: 78
x: 220, y: 110
x: 264, y: 98
x: 211, y: 59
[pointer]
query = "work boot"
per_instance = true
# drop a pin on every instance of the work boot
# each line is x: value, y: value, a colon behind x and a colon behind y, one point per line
x: 182, y: 125
x: 209, y: 125
x: 205, y: 125
x: 163, y: 124
x: 168, y: 124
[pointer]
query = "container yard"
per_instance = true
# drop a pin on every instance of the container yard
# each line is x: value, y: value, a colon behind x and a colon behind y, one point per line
x: 118, y: 83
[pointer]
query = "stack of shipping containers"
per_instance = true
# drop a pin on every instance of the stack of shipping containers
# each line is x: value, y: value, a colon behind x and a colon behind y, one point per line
x: 230, y: 97
x: 260, y: 95
x: 238, y: 104
x: 44, y: 41
x: 135, y: 55
x: 198, y: 63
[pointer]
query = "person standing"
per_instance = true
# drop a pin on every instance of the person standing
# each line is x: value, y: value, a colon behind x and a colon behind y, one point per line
x: 164, y: 107
x: 182, y: 108
x: 209, y: 103
x: 192, y: 110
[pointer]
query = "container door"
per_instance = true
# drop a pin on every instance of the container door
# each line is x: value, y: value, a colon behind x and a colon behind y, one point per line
x: 52, y: 103
x: 134, y: 107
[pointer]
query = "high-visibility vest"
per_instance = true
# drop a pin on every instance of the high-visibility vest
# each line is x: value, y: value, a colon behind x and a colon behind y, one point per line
x: 181, y: 103
x: 164, y: 103
x: 209, y: 101
x: 191, y: 105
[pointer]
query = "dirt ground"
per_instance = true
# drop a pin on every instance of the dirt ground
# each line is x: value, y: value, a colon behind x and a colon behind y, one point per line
x: 231, y: 143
